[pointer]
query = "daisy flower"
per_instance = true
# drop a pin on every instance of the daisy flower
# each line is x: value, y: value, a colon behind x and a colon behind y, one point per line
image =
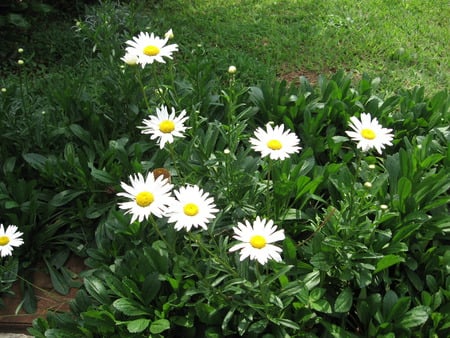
x: 147, y: 196
x: 150, y: 48
x: 9, y: 238
x: 275, y: 142
x: 369, y: 133
x: 256, y: 240
x: 192, y: 208
x: 165, y: 127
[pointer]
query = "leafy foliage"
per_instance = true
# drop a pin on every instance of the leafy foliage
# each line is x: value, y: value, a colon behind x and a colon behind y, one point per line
x: 366, y: 249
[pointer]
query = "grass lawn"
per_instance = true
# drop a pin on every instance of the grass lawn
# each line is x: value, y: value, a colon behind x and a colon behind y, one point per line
x: 403, y: 42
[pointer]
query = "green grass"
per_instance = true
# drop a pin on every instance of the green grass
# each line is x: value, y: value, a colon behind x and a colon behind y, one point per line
x: 405, y: 43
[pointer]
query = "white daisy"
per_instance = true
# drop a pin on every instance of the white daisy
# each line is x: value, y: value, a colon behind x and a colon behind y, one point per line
x: 256, y: 241
x: 165, y: 127
x: 9, y: 238
x: 369, y: 133
x: 147, y: 196
x: 150, y: 48
x: 192, y: 208
x: 275, y: 142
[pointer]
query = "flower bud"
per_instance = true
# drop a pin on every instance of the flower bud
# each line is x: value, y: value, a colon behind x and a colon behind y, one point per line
x: 232, y: 69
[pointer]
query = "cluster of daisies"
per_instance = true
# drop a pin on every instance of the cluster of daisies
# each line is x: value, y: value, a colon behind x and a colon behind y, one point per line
x: 189, y: 206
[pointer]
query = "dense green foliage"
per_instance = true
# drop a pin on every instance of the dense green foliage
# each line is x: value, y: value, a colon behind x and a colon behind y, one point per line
x: 366, y: 250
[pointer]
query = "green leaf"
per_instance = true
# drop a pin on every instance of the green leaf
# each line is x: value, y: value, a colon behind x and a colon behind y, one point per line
x: 102, y: 176
x: 36, y: 161
x: 312, y: 279
x: 389, y: 300
x: 129, y: 307
x: 95, y: 287
x: 344, y: 301
x: 159, y: 326
x: 64, y: 197
x: 138, y: 325
x: 288, y: 323
x: 150, y: 287
x: 388, y: 261
x: 415, y: 317
x: 59, y: 281
x: 404, y: 191
x: 321, y: 305
x: 321, y: 262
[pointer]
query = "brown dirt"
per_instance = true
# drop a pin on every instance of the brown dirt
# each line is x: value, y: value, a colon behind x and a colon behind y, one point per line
x: 48, y: 299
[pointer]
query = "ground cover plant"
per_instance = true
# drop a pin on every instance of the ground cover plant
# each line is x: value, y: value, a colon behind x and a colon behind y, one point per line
x: 210, y: 201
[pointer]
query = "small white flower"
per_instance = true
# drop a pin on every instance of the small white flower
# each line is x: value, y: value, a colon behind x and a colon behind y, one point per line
x: 368, y: 185
x: 369, y: 133
x: 9, y: 238
x: 165, y: 127
x: 150, y: 48
x: 130, y: 59
x: 256, y: 240
x: 20, y: 62
x: 275, y: 142
x: 147, y: 196
x: 232, y: 69
x: 192, y: 208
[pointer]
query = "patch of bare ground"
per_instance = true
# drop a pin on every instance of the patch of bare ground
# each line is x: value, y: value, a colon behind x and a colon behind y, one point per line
x: 14, y: 319
x: 293, y: 76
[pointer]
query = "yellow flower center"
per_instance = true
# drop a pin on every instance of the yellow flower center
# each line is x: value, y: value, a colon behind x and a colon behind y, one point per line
x: 151, y: 50
x: 368, y: 134
x: 167, y: 126
x: 274, y: 144
x: 258, y: 242
x: 4, y: 240
x: 144, y: 199
x: 190, y: 209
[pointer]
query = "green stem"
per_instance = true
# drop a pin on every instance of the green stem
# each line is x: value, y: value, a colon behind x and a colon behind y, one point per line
x: 269, y: 194
x: 169, y: 246
x: 139, y: 79
x: 173, y: 158
x: 225, y: 264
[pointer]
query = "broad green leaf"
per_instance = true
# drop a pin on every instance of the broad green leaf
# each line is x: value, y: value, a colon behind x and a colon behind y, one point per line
x: 415, y: 317
x: 129, y: 307
x: 344, y: 301
x: 399, y: 308
x: 61, y: 333
x: 388, y: 261
x: 102, y: 176
x: 96, y: 288
x: 36, y: 161
x: 138, y: 325
x: 159, y: 326
x: 312, y: 279
x: 288, y: 323
x: 389, y: 300
x: 150, y: 287
x: 64, y: 197
x: 404, y: 191
x: 321, y: 262
x: 321, y: 305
